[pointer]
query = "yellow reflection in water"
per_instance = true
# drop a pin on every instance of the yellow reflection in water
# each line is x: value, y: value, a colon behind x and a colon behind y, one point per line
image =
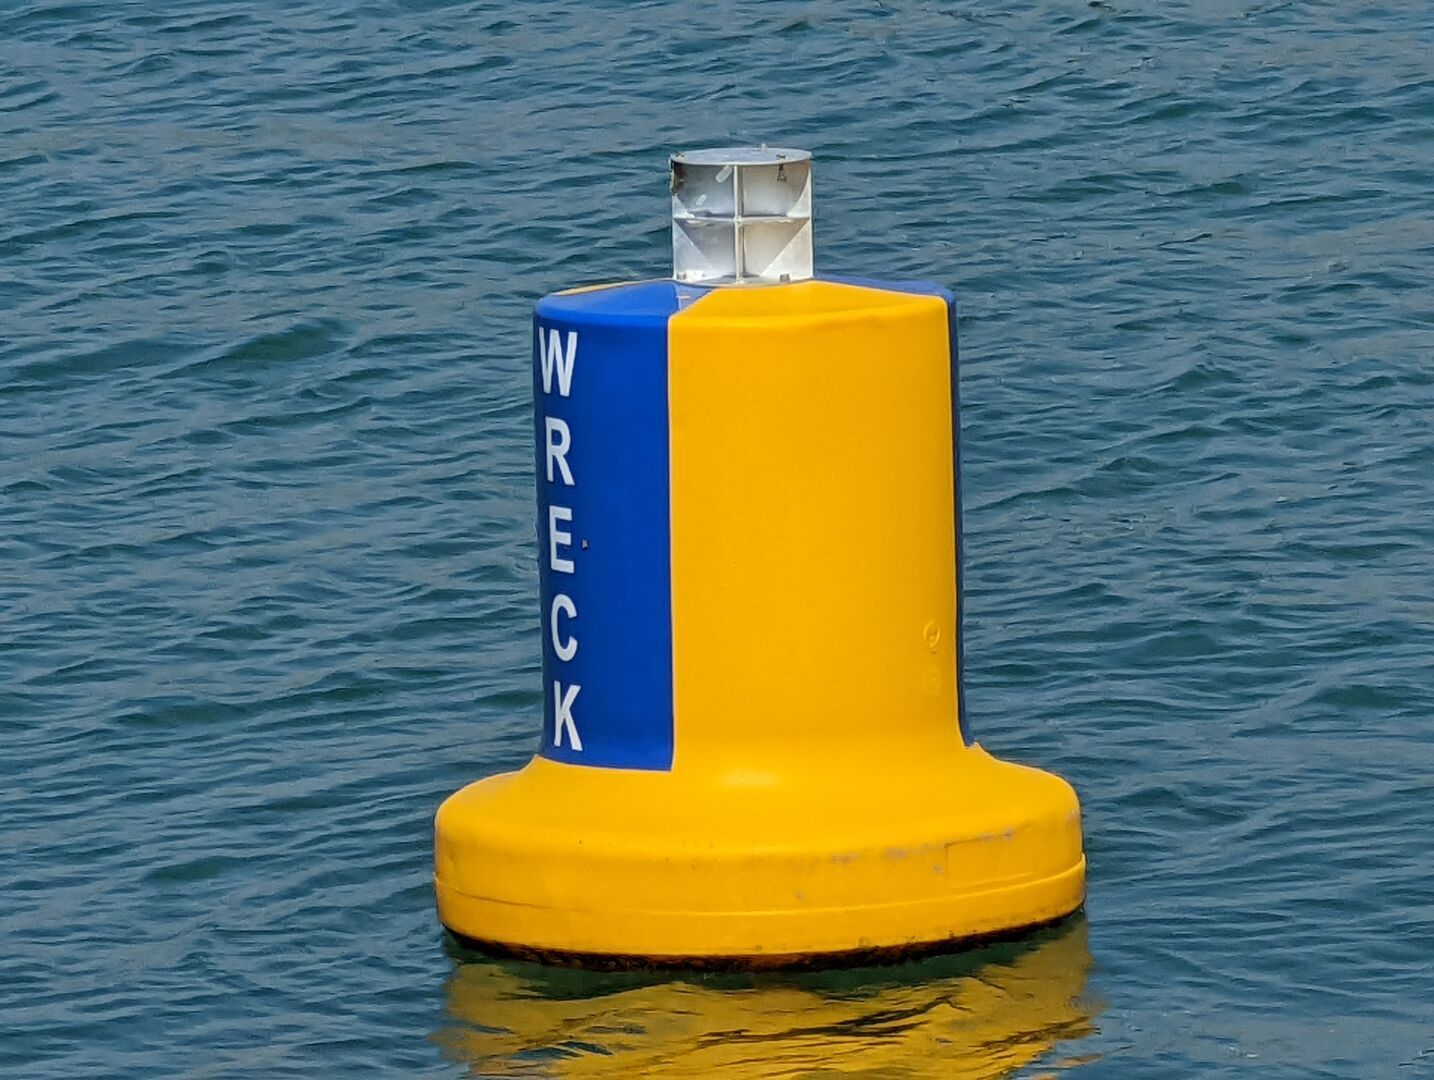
x: 980, y: 1013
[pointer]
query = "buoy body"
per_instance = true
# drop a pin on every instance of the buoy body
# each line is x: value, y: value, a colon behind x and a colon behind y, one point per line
x: 753, y: 748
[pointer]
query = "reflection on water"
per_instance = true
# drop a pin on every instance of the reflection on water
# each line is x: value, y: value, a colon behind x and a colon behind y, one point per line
x: 984, y: 1012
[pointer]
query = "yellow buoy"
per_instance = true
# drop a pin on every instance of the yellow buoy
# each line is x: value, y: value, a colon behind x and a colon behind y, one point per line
x: 753, y: 749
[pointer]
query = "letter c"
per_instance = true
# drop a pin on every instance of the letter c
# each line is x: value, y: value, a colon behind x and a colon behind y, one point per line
x: 566, y: 650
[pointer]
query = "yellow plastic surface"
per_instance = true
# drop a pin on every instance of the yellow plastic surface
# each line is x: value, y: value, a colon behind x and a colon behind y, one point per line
x: 821, y: 799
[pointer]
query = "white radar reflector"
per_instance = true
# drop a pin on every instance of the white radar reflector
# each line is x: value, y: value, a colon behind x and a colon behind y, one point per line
x: 742, y: 215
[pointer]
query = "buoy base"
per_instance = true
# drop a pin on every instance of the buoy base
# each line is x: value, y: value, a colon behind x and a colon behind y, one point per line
x: 853, y: 958
x: 751, y: 870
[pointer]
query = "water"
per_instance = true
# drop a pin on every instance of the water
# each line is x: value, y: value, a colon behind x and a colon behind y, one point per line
x: 266, y: 511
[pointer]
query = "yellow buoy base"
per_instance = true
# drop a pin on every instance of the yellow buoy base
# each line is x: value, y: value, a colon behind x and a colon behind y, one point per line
x: 742, y: 866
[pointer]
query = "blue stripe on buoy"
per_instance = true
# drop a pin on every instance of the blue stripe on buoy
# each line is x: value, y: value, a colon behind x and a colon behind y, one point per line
x: 604, y: 542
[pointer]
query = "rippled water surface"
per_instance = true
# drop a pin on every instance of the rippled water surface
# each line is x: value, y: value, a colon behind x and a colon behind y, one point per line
x: 267, y: 570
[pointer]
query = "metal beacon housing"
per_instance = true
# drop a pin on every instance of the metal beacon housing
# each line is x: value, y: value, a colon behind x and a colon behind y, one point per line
x: 754, y: 750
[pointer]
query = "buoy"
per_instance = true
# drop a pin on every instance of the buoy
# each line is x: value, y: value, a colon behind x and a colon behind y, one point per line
x: 753, y: 745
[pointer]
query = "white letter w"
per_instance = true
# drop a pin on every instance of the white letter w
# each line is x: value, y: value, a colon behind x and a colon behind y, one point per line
x: 550, y: 353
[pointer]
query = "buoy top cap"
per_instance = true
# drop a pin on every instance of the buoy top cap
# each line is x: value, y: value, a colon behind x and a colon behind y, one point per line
x: 742, y: 155
x: 741, y: 215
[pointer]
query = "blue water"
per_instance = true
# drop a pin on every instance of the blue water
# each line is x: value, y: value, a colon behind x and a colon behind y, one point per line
x: 268, y: 585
